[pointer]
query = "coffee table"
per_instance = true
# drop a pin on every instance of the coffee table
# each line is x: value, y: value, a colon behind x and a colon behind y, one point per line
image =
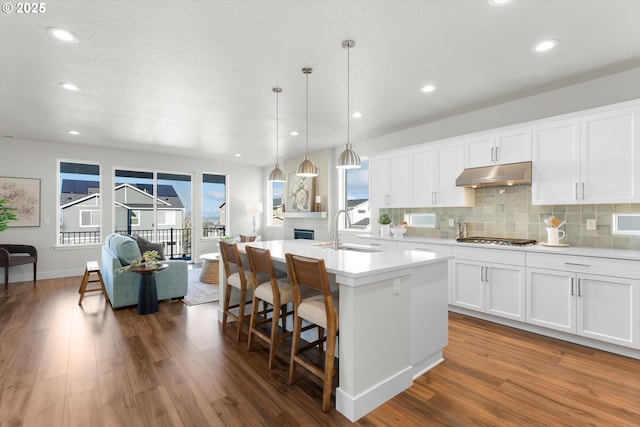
x: 148, y: 293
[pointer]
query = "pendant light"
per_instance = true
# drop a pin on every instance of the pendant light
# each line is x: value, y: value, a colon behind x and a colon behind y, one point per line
x: 348, y: 159
x: 276, y: 174
x: 307, y: 168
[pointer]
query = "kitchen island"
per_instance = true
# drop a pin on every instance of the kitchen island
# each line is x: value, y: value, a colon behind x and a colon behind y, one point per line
x: 393, y: 317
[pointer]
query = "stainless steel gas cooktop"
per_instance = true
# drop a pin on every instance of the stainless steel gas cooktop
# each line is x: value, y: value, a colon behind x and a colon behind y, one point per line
x: 503, y: 241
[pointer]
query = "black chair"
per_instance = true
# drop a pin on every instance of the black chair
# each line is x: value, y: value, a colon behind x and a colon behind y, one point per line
x: 12, y: 255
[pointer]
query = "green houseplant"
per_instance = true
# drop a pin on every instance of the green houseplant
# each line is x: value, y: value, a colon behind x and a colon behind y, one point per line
x: 385, y: 228
x: 6, y: 214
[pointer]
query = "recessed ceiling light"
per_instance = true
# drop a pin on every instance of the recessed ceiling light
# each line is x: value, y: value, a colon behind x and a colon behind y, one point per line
x: 63, y: 35
x: 499, y: 2
x: 237, y: 155
x: 545, y: 45
x: 356, y: 114
x: 73, y: 132
x: 69, y: 86
x: 294, y: 133
x: 428, y: 88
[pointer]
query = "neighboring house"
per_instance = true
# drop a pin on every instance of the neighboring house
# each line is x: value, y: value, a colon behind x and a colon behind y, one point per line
x: 134, y: 207
x: 80, y: 204
x: 358, y: 212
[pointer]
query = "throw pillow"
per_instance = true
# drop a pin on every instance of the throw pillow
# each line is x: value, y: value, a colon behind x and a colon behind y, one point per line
x: 146, y: 245
x: 125, y: 248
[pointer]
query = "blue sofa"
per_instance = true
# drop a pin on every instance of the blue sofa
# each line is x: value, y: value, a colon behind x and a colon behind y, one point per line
x: 122, y: 287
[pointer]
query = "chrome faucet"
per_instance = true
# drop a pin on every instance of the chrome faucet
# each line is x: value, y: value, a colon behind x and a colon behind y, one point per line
x: 336, y: 241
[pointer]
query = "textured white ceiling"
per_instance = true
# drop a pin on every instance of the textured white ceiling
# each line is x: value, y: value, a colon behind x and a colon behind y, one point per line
x: 172, y: 76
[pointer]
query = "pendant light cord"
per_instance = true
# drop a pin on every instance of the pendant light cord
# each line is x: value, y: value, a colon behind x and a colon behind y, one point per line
x: 277, y: 128
x: 348, y: 94
x: 307, y: 94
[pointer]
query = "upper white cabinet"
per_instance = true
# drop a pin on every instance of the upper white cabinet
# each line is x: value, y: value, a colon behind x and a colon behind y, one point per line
x: 422, y: 177
x: 508, y: 146
x: 593, y: 158
x: 449, y: 160
x: 390, y: 180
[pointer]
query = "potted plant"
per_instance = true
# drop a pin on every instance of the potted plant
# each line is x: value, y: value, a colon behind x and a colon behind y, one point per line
x: 385, y: 228
x: 6, y: 214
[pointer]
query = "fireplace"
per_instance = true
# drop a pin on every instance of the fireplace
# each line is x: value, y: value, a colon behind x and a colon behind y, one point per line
x: 301, y: 233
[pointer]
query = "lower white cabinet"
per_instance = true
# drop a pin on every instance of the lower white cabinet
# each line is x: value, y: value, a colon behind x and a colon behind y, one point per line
x: 600, y: 307
x: 493, y: 288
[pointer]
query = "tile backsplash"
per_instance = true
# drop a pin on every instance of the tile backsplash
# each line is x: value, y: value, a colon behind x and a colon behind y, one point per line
x: 508, y: 212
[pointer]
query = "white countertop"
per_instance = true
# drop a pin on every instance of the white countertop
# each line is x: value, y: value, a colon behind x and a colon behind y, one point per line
x: 623, y: 254
x: 347, y: 263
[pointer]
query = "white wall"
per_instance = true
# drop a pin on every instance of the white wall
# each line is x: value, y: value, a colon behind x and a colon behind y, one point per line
x: 32, y: 159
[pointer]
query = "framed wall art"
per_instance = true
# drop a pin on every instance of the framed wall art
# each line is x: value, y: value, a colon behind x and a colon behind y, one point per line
x: 24, y: 195
x: 300, y: 193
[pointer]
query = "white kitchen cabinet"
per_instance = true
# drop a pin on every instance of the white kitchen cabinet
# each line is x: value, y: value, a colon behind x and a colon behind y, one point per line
x: 390, y: 180
x: 423, y: 181
x: 587, y: 159
x: 572, y: 300
x: 490, y: 287
x: 449, y: 164
x: 507, y: 146
x: 421, y: 177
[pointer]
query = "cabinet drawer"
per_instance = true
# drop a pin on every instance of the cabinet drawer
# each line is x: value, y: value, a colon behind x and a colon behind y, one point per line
x: 498, y: 256
x: 440, y: 250
x: 582, y: 264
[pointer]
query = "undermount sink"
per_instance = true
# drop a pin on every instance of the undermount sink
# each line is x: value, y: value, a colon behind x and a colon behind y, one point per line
x: 359, y: 248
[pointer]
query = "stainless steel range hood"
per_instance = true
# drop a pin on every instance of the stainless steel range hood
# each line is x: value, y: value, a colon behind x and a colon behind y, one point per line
x: 494, y: 176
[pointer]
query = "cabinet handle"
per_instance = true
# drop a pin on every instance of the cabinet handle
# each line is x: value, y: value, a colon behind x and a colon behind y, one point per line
x: 579, y: 287
x: 482, y: 273
x: 577, y: 195
x: 422, y: 249
x: 572, y: 286
x: 582, y: 193
x: 486, y: 274
x: 576, y: 264
x: 497, y: 153
x: 386, y: 200
x: 492, y: 151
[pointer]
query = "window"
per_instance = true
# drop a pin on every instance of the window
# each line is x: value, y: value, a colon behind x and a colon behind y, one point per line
x: 158, y: 205
x: 356, y: 196
x: 89, y: 218
x: 276, y: 198
x: 79, y: 203
x: 166, y: 218
x: 214, y: 197
x: 135, y: 218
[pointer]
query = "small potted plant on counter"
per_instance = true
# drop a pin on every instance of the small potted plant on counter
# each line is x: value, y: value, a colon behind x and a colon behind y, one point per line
x: 385, y: 224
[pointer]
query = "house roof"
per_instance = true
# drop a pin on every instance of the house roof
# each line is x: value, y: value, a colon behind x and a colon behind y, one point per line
x: 77, y: 190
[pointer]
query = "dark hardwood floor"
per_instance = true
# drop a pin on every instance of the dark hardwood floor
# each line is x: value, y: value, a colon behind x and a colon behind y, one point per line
x: 66, y: 365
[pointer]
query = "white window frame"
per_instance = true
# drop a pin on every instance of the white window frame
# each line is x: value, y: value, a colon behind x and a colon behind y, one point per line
x: 164, y: 215
x: 135, y: 220
x: 94, y: 215
x: 342, y: 194
x: 269, y: 209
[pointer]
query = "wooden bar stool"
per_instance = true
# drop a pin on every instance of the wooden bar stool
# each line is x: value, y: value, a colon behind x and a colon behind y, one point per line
x: 92, y: 268
x: 277, y: 292
x: 321, y: 310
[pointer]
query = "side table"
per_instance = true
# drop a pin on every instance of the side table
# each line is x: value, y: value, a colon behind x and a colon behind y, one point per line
x: 210, y: 268
x: 148, y: 293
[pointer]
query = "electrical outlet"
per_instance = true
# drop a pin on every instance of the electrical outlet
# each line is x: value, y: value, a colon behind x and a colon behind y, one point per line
x: 451, y: 224
x: 591, y: 224
x: 396, y: 286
